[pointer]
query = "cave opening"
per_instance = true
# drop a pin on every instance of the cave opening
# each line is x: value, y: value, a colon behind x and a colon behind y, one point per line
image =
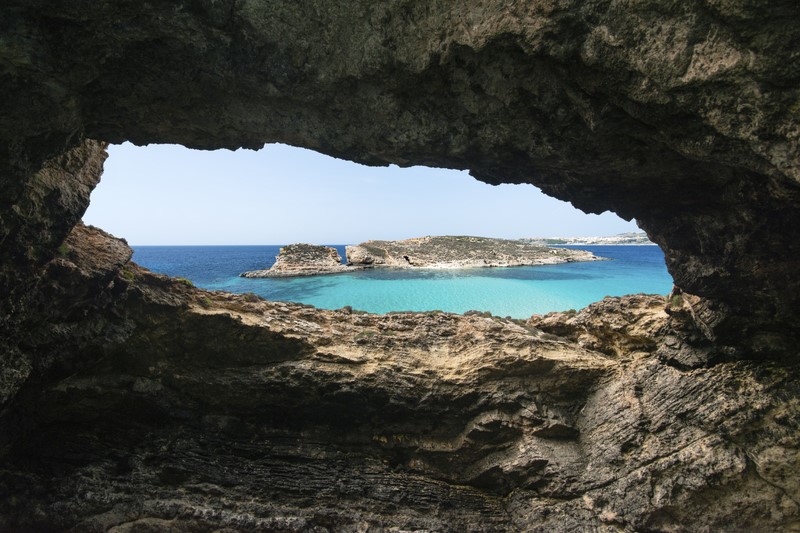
x: 171, y: 195
x: 208, y: 216
x: 129, y: 401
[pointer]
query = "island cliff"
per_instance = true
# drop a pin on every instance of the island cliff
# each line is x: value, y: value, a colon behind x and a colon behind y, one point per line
x: 302, y: 260
x: 447, y: 252
x: 133, y: 402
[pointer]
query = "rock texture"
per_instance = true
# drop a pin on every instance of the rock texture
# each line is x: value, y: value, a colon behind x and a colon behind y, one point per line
x: 680, y: 114
x: 459, y: 252
x: 135, y: 402
x: 207, y: 411
x: 302, y: 260
x: 35, y: 313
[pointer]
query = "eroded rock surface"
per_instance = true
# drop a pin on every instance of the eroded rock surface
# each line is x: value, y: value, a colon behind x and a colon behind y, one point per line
x: 135, y: 402
x: 34, y: 225
x: 680, y: 114
x: 208, y: 410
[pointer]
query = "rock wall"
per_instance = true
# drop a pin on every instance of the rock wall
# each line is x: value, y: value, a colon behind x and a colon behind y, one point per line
x: 682, y: 115
x: 40, y: 213
x: 133, y: 401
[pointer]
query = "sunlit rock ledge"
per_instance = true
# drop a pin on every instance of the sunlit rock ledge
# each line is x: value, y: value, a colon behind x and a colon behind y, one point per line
x: 447, y: 252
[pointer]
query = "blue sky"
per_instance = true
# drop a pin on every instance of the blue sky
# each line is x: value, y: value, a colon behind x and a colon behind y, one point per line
x: 166, y: 194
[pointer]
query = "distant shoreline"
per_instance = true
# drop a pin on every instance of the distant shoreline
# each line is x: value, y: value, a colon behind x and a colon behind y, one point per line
x: 607, y: 244
x: 339, y: 244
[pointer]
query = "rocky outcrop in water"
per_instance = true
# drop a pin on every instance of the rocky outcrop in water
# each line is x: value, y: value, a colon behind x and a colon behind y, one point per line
x: 422, y: 252
x: 302, y: 260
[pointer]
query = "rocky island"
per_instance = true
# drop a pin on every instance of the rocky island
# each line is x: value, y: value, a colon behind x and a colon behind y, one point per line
x: 448, y: 252
x: 302, y: 260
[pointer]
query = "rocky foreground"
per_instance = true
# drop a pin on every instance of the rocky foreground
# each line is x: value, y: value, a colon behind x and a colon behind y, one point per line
x: 423, y: 252
x: 188, y: 410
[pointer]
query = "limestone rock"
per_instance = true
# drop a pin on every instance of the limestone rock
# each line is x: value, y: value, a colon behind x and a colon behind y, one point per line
x: 302, y: 260
x: 199, y: 411
x: 422, y: 252
x: 132, y: 401
x: 681, y: 115
x: 38, y: 233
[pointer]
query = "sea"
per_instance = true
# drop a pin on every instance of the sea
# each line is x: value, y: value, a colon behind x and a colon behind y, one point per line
x: 517, y: 292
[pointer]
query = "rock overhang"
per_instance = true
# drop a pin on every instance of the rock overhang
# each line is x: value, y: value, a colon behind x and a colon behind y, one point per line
x: 681, y: 116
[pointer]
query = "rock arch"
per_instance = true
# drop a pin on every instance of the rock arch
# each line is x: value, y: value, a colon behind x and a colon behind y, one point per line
x: 683, y: 115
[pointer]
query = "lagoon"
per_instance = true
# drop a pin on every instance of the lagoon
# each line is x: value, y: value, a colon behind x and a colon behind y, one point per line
x: 517, y: 292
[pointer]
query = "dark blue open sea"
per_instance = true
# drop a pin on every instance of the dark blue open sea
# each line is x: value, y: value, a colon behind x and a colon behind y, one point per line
x: 518, y: 292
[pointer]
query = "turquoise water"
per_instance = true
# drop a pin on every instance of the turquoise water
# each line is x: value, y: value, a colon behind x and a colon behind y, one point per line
x: 518, y: 292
